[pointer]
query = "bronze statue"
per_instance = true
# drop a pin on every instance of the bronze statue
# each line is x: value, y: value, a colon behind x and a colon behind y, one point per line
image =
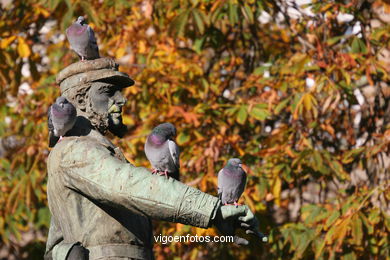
x: 101, y: 202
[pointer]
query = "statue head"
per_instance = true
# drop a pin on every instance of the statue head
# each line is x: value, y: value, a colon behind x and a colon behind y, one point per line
x: 94, y: 88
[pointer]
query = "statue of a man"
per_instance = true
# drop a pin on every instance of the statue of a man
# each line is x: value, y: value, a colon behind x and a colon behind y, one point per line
x: 98, y: 200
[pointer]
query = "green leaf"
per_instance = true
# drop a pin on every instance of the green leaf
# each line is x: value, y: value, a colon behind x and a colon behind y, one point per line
x: 317, y: 160
x: 304, y: 241
x: 246, y: 10
x: 379, y: 32
x: 231, y: 111
x: 180, y: 22
x: 195, y: 2
x: 374, y: 216
x: 259, y: 112
x: 357, y: 230
x: 281, y: 105
x: 68, y: 18
x: 358, y: 46
x: 349, y: 256
x: 335, y: 215
x: 233, y: 13
x: 216, y: 15
x: 387, y: 222
x: 182, y: 138
x: 260, y: 70
x: 215, y: 88
x: 198, y: 17
x: 334, y: 40
x: 319, y: 246
x: 350, y: 155
x: 242, y: 114
x: 52, y: 4
x: 43, y: 218
x: 198, y: 45
x: 314, y: 212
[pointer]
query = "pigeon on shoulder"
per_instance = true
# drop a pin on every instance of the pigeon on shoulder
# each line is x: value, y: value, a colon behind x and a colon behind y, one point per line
x: 61, y: 118
x: 82, y: 40
x: 162, y: 151
x: 231, y: 182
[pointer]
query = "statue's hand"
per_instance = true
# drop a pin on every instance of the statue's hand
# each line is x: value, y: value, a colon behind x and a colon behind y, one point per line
x: 230, y: 217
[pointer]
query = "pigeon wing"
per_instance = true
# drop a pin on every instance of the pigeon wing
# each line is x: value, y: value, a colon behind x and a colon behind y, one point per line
x: 49, y: 122
x: 93, y: 49
x: 175, y: 152
x: 52, y: 138
x: 220, y: 180
x: 241, y: 187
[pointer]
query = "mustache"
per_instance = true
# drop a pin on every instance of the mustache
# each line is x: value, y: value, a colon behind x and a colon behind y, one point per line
x: 114, y: 109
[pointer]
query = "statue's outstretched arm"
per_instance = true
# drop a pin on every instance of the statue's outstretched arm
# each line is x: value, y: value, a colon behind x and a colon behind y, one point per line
x: 92, y: 170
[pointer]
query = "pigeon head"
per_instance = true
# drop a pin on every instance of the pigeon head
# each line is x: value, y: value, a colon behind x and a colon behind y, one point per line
x: 81, y: 20
x: 61, y: 101
x: 234, y: 163
x: 166, y: 130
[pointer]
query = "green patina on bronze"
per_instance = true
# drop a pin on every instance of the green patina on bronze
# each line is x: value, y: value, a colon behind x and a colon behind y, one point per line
x: 96, y: 197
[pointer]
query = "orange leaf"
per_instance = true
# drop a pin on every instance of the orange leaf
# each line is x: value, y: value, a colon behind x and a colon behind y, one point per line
x: 6, y: 41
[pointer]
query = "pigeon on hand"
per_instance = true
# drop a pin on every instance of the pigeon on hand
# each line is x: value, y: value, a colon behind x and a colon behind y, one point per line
x: 231, y: 182
x: 162, y: 152
x: 61, y: 118
x: 82, y: 40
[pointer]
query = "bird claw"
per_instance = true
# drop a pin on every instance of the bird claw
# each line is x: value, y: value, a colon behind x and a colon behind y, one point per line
x: 155, y: 171
x: 164, y: 173
x: 234, y: 204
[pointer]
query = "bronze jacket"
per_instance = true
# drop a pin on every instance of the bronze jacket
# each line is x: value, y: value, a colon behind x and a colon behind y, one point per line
x: 101, y: 201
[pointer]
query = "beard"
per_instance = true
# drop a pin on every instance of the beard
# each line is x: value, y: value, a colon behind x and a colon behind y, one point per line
x: 99, y: 121
x: 103, y: 123
x: 118, y: 129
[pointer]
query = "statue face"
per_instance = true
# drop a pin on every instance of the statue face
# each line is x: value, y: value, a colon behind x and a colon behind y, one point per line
x: 106, y: 101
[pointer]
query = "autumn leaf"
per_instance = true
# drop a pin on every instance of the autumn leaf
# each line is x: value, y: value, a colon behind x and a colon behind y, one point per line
x: 242, y: 114
x: 23, y: 48
x: 232, y: 76
x: 7, y: 41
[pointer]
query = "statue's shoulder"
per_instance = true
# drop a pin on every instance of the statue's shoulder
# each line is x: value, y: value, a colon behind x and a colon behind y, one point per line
x: 74, y: 146
x: 76, y: 141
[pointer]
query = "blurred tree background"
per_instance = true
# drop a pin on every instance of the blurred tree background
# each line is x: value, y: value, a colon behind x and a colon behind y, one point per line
x: 299, y: 90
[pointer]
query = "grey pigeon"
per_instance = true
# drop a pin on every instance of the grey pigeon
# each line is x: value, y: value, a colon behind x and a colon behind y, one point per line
x: 162, y: 151
x: 82, y: 40
x: 231, y: 182
x: 61, y: 118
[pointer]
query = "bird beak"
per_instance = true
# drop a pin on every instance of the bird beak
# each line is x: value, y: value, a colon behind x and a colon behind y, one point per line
x: 240, y: 165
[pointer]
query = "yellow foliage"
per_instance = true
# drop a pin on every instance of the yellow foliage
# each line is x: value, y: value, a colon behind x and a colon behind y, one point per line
x: 23, y: 48
x: 234, y: 87
x: 7, y: 41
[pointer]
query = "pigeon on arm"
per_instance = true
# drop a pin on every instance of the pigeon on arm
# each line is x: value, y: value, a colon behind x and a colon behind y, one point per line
x: 231, y: 182
x: 231, y: 185
x: 82, y: 40
x: 61, y: 118
x: 162, y: 151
